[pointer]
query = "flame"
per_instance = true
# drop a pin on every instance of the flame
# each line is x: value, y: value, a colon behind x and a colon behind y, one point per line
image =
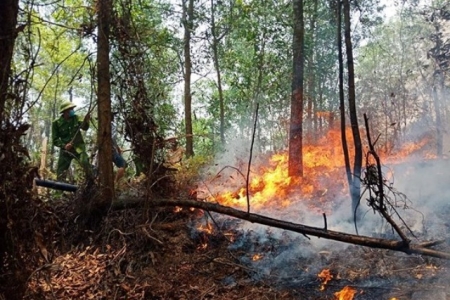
x: 270, y: 181
x: 325, y: 275
x: 347, y: 293
x: 420, y: 147
x: 323, y: 168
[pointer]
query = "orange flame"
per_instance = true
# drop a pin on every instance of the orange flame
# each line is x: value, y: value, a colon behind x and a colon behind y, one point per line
x: 323, y: 170
x: 347, y: 293
x: 409, y: 149
x: 325, y: 275
x: 272, y: 183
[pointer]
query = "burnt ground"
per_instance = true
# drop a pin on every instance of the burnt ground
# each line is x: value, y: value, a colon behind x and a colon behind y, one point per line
x: 167, y: 253
x: 161, y: 254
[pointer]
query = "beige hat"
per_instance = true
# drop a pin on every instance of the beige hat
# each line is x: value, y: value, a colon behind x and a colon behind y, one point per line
x: 65, y: 106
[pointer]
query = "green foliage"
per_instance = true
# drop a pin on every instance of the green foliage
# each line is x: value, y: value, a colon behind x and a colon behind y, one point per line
x: 255, y: 59
x: 190, y: 171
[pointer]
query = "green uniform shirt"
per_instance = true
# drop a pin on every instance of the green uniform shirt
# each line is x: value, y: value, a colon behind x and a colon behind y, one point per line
x: 65, y: 131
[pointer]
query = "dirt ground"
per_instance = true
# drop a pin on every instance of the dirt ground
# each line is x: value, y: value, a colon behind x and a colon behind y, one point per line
x: 169, y: 253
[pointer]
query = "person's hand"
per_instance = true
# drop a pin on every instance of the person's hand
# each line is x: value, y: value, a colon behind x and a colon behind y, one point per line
x: 68, y: 146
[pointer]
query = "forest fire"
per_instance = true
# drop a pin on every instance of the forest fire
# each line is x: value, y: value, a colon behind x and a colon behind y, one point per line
x: 269, y: 180
x: 270, y: 188
x: 324, y: 175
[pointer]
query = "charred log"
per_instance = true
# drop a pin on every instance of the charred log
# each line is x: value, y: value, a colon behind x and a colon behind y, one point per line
x: 388, y: 244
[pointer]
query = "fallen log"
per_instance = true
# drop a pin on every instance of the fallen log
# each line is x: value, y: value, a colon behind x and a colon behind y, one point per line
x: 62, y: 186
x: 389, y: 244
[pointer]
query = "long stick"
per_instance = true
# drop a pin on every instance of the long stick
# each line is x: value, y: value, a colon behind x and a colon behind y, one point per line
x: 395, y: 245
x: 250, y: 159
x: 381, y: 207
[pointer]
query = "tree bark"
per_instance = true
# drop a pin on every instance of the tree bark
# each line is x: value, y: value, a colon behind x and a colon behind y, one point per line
x: 312, y: 93
x: 355, y: 187
x: 188, y: 22
x: 8, y: 20
x: 296, y: 126
x: 105, y: 168
x: 215, y: 45
x: 341, y: 97
x: 299, y: 228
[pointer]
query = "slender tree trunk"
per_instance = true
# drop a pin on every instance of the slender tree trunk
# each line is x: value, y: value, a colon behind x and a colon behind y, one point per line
x: 296, y: 126
x: 348, y: 170
x: 215, y: 45
x: 188, y: 20
x: 106, y: 178
x: 355, y: 188
x: 312, y: 95
x: 438, y: 124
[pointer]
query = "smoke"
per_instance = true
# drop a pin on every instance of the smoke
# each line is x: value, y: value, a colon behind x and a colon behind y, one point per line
x: 418, y: 189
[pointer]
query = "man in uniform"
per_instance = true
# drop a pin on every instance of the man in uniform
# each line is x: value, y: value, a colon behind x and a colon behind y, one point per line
x: 66, y: 135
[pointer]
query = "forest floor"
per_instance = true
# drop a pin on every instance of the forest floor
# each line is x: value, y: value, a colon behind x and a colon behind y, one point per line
x: 172, y: 253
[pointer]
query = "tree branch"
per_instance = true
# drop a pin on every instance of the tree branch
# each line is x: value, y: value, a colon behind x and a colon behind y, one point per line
x: 299, y: 228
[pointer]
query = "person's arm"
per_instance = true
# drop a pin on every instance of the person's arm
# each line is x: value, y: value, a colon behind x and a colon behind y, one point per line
x: 84, y: 123
x: 56, y: 137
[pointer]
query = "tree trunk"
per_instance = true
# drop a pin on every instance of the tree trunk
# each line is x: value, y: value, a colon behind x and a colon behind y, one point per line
x: 312, y: 95
x: 296, y: 126
x: 438, y: 116
x: 188, y: 22
x: 348, y: 170
x: 8, y: 21
x: 215, y: 45
x: 105, y: 169
x: 355, y: 188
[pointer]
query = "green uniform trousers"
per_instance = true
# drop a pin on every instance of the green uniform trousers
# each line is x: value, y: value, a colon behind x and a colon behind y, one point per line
x: 65, y: 159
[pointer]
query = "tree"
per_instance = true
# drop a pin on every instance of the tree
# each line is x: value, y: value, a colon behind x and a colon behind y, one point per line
x: 216, y: 39
x: 106, y: 179
x: 355, y: 185
x: 8, y: 19
x: 8, y: 33
x: 296, y: 125
x: 441, y: 60
x: 188, y: 23
x: 342, y: 97
x: 143, y: 67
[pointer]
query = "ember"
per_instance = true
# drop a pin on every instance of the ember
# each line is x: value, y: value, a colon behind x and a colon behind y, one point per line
x: 347, y: 293
x: 257, y: 257
x: 206, y: 228
x: 325, y: 275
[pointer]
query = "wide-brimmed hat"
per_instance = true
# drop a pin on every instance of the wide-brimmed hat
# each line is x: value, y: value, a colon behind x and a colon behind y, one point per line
x: 65, y: 106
